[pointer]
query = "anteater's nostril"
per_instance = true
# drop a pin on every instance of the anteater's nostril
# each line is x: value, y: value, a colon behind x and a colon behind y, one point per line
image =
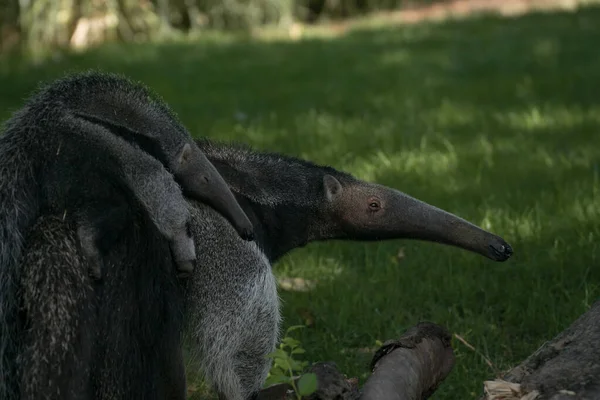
x: 501, y: 251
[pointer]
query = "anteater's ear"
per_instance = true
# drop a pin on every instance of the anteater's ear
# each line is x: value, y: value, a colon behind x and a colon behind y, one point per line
x: 185, y: 154
x: 333, y: 187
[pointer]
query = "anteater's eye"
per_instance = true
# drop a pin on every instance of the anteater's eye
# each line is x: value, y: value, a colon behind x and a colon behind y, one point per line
x: 374, y: 205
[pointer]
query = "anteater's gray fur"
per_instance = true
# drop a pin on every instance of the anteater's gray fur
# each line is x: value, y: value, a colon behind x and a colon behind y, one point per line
x: 117, y: 339
x: 130, y: 110
x: 117, y: 116
x: 234, y: 308
x: 52, y: 161
x: 60, y: 323
x: 109, y: 108
x: 232, y: 303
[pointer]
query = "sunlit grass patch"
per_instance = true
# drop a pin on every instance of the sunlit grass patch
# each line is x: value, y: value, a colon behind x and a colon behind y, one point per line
x: 430, y: 164
x: 538, y: 119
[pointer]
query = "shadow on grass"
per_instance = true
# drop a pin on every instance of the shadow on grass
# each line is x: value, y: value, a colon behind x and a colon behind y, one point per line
x: 493, y: 119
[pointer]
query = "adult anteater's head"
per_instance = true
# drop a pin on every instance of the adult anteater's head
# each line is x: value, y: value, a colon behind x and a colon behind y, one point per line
x: 366, y: 211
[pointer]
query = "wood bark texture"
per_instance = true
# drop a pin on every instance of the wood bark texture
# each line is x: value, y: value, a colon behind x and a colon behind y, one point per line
x: 565, y: 368
x: 408, y: 368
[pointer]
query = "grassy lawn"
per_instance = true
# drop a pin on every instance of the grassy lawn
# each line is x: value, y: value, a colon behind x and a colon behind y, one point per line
x: 492, y: 119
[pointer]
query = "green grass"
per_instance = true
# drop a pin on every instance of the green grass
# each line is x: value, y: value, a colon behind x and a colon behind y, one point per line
x: 492, y: 119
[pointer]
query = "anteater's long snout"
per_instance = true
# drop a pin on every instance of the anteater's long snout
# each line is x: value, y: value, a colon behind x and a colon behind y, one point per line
x: 207, y: 185
x: 219, y: 197
x: 424, y: 221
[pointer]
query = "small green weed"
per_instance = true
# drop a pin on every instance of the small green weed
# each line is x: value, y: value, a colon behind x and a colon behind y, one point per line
x: 285, y: 366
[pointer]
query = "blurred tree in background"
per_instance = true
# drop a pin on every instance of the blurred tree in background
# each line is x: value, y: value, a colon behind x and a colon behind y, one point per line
x: 41, y: 25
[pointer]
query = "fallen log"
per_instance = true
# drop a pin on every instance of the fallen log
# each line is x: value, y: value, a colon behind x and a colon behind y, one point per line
x: 565, y: 368
x: 413, y: 366
x: 409, y: 368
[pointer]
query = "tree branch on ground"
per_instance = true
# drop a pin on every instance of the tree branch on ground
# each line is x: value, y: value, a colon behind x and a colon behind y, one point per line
x: 413, y: 366
x: 409, y: 368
